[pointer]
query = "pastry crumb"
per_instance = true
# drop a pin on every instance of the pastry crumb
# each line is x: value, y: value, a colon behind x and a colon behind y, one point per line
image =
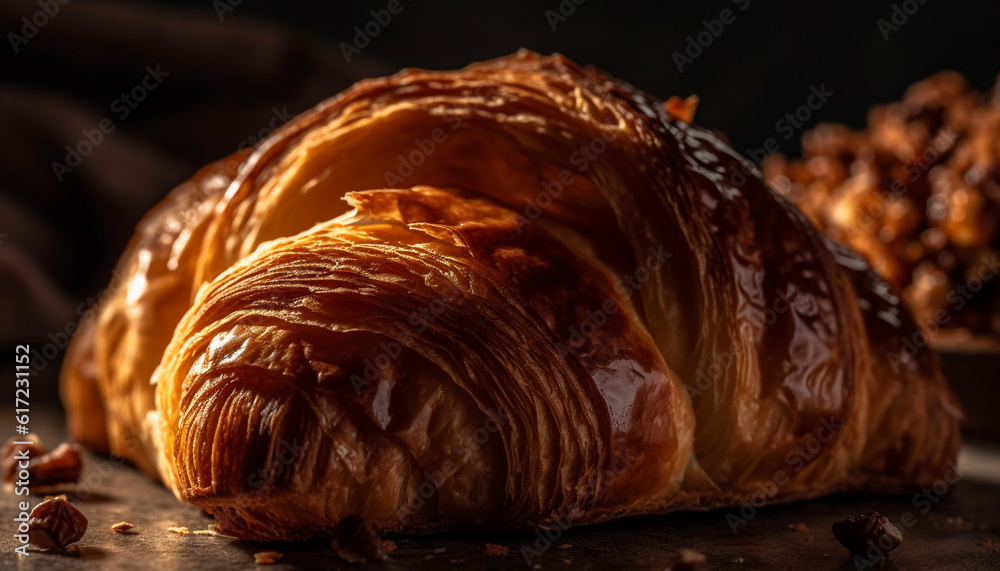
x: 565, y: 546
x: 179, y: 530
x: 122, y: 527
x: 215, y: 530
x: 388, y: 546
x: 494, y: 549
x: 267, y: 557
x: 203, y: 532
x: 801, y: 527
x: 993, y: 546
x: 690, y: 560
x: 440, y: 550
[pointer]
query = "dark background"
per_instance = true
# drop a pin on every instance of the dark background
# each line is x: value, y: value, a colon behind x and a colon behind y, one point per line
x: 229, y: 75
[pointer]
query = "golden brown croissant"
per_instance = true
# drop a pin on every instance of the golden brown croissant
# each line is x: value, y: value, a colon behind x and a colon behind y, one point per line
x: 539, y: 302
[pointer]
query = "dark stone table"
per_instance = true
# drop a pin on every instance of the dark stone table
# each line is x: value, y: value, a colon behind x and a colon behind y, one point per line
x: 951, y: 534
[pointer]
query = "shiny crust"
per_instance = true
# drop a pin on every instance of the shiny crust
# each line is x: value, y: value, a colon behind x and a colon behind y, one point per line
x: 489, y: 346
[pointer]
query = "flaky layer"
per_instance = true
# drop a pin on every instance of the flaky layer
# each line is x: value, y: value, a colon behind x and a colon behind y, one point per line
x: 425, y: 334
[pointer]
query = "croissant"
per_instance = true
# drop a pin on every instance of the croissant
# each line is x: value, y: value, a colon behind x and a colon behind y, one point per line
x: 514, y: 296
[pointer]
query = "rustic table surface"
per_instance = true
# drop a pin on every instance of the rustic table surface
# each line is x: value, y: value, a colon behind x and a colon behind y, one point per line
x: 955, y: 531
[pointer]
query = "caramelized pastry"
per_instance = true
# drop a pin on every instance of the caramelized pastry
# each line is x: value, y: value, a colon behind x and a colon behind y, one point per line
x: 513, y: 296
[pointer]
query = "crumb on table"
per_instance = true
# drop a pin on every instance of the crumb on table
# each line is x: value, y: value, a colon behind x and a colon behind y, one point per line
x: 494, y: 549
x: 799, y: 527
x: 122, y: 527
x: 179, y: 530
x: 266, y: 557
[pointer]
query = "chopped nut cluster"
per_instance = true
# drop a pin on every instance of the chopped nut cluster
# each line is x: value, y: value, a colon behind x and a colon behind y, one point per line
x: 43, y: 468
x: 11, y: 453
x: 56, y: 523
x: 917, y: 195
x: 868, y: 535
x: 60, y: 466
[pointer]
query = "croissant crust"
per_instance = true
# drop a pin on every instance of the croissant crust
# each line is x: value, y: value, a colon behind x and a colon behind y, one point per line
x: 510, y: 296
